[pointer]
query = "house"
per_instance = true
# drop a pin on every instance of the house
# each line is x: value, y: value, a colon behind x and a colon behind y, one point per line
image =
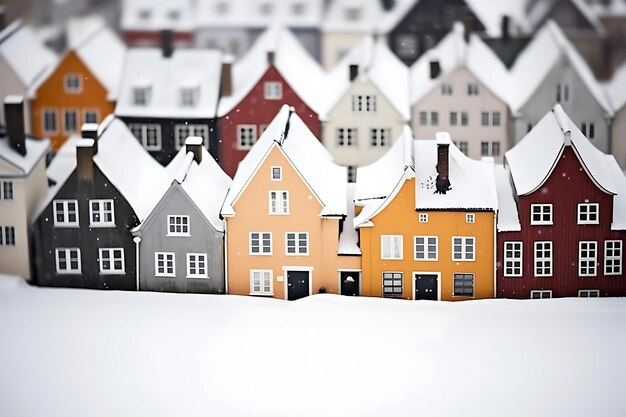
x: 82, y: 87
x: 366, y: 106
x: 181, y: 241
x: 550, y: 70
x: 285, y: 217
x: 20, y: 70
x: 612, y: 15
x: 463, y: 88
x: 563, y: 218
x: 102, y: 187
x: 167, y: 95
x: 23, y: 184
x: 616, y: 91
x: 276, y: 71
x: 427, y: 222
x: 142, y: 22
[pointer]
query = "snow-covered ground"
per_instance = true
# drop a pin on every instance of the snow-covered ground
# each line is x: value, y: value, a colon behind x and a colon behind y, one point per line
x: 94, y: 353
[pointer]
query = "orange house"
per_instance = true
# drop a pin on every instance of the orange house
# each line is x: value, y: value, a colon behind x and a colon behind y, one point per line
x: 82, y: 87
x: 427, y: 222
x: 288, y: 225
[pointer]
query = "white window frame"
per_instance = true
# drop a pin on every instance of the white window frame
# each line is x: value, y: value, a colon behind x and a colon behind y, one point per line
x: 346, y: 136
x: 463, y: 254
x: 587, y: 263
x: 380, y: 137
x: 539, y: 261
x: 68, y: 253
x: 276, y: 169
x: 541, y: 293
x: 297, y: 245
x: 142, y: 129
x: 112, y: 259
x: 101, y: 212
x: 249, y: 142
x: 426, y: 244
x: 192, y: 130
x: 72, y: 90
x: 542, y: 212
x: 511, y: 263
x: 583, y: 210
x: 273, y: 90
x: 165, y: 261
x: 422, y: 217
x: 7, y: 190
x: 182, y: 233
x: 66, y: 130
x: 470, y: 218
x: 395, y: 246
x: 53, y: 112
x: 613, y: 262
x: 364, y: 103
x: 264, y: 274
x: 199, y: 258
x: 589, y: 293
x: 261, y: 246
x: 65, y: 222
x: 282, y: 203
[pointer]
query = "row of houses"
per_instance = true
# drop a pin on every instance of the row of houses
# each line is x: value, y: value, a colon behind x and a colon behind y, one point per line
x: 423, y: 222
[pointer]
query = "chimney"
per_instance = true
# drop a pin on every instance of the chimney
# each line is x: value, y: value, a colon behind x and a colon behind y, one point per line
x: 226, y: 79
x: 85, y: 150
x: 14, y: 116
x: 387, y: 4
x: 354, y: 71
x: 271, y: 57
x: 442, y: 183
x: 468, y: 25
x: 193, y: 144
x: 505, y: 28
x: 167, y: 43
x: 90, y: 131
x: 435, y: 69
x: 3, y: 15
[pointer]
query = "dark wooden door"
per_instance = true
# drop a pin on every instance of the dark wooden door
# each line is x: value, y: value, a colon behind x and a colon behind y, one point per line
x: 425, y: 287
x: 350, y: 282
x: 297, y: 284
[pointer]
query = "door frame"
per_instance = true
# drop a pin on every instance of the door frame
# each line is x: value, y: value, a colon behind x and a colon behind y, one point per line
x: 413, y: 273
x: 286, y: 270
x: 360, y: 271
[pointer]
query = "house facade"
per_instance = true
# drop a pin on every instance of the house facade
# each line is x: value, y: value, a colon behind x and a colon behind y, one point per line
x: 616, y: 91
x: 142, y: 22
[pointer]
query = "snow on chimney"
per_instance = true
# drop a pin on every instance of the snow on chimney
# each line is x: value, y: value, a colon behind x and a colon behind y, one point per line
x: 14, y: 116
x: 193, y: 144
x: 442, y: 183
x: 85, y: 150
x: 90, y: 131
x: 226, y: 78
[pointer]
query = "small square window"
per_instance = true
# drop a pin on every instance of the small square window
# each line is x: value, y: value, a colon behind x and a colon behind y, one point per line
x: 588, y: 213
x: 246, y: 136
x: 188, y: 97
x: 446, y: 89
x: 277, y: 173
x: 65, y: 213
x: 423, y: 217
x: 261, y: 282
x: 73, y: 83
x: 297, y: 243
x: 472, y: 89
x: 391, y: 247
x: 164, y: 264
x: 540, y: 214
x: 463, y: 285
x: 273, y: 90
x: 463, y: 248
x: 178, y: 226
x: 101, y: 213
x: 470, y: 217
x: 90, y: 116
x: 260, y: 243
x: 111, y: 260
x: 68, y: 260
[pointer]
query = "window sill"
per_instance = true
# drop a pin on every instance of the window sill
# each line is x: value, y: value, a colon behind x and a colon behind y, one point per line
x: 178, y: 235
x: 296, y: 254
x: 257, y: 294
x: 164, y: 276
x: 277, y: 214
x: 101, y: 225
x: 587, y: 223
x: 542, y: 276
x: 513, y: 276
x: 542, y: 224
x: 260, y: 254
x: 425, y: 260
x: 69, y: 272
x: 197, y: 277
x: 67, y: 226
x: 112, y: 272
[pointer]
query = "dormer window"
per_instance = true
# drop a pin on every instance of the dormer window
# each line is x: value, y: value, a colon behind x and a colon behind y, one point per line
x: 352, y: 13
x: 298, y: 9
x: 173, y: 14
x: 273, y: 90
x: 188, y: 96
x: 266, y: 9
x: 221, y: 8
x: 145, y: 14
x: 141, y: 96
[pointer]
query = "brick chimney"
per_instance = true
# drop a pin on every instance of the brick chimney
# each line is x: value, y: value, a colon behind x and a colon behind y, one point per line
x: 167, y: 43
x: 85, y: 150
x: 90, y: 131
x: 14, y: 116
x: 193, y: 144
x: 354, y: 71
x: 442, y: 183
x: 226, y: 78
x: 435, y: 69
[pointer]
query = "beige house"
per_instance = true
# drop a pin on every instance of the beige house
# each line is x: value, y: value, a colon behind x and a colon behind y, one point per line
x: 462, y: 87
x: 23, y: 183
x: 616, y: 91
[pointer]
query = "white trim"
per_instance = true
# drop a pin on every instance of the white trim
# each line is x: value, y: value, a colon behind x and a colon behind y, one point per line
x: 165, y: 260
x: 589, y: 292
x: 391, y: 244
x: 463, y: 253
x: 426, y: 251
x: 101, y: 213
x: 541, y: 292
x: 414, y: 273
x: 54, y: 111
x: 199, y: 259
x: 297, y: 245
x: 67, y: 90
x: 65, y: 210
x: 470, y: 217
x: 271, y: 280
x: 280, y: 203
x: 280, y: 173
x: 273, y: 90
x: 200, y: 130
x: 613, y: 257
x: 422, y: 217
x: 112, y: 270
x: 536, y: 259
x: 591, y: 262
x: 588, y: 205
x: 541, y: 206
x: 171, y: 217
x: 254, y: 133
x: 76, y: 112
x: 142, y: 129
x: 68, y: 258
x: 261, y: 253
x: 513, y: 259
x: 286, y: 270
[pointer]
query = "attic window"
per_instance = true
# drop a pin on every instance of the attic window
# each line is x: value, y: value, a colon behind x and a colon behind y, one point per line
x: 277, y: 173
x: 72, y: 83
x: 188, y: 96
x: 145, y: 14
x: 141, y: 96
x: 173, y: 14
x: 221, y: 8
x: 266, y: 9
x: 298, y: 9
x: 273, y: 90
x: 352, y: 13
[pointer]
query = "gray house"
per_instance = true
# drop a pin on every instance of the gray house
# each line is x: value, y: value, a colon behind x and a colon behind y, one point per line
x: 181, y: 241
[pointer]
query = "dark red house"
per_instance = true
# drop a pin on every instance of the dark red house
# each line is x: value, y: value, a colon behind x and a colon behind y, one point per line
x: 562, y: 218
x: 277, y: 70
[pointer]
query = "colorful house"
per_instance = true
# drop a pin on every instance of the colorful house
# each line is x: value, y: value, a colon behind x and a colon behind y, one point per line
x: 427, y: 222
x: 563, y: 235
x: 142, y: 22
x: 286, y: 230
x: 276, y: 71
x: 82, y: 88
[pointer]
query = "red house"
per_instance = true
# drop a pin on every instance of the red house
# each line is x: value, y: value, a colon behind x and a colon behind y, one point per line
x: 562, y: 219
x: 277, y: 70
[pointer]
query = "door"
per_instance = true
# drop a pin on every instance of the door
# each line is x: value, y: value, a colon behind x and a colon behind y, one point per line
x: 425, y: 286
x: 350, y: 282
x: 297, y: 284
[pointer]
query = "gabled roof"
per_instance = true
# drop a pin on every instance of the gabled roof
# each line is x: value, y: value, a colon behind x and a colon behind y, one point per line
x: 353, y: 16
x: 165, y: 78
x: 306, y: 154
x: 614, y: 8
x: 540, y: 10
x: 508, y: 216
x: 303, y: 74
x: 36, y: 149
x: 616, y: 88
x: 151, y: 15
x: 24, y: 53
x: 453, y: 52
x: 547, y: 49
x: 378, y: 65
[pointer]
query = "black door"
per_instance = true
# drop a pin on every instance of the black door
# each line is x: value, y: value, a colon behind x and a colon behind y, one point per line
x: 297, y: 284
x: 350, y: 282
x: 425, y: 287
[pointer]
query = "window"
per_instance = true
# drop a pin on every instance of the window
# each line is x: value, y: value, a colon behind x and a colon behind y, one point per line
x: 612, y: 257
x: 463, y: 285
x: 587, y: 258
x: 178, y: 225
x: 425, y: 248
x: 588, y: 213
x: 406, y: 45
x: 197, y: 265
x: 588, y: 293
x: 72, y: 83
x: 7, y: 235
x: 70, y: 121
x: 101, y: 213
x: 490, y: 148
x: 472, y: 89
x: 352, y: 13
x: 90, y: 116
x: 298, y: 9
x: 68, y: 260
x: 495, y: 118
x: 464, y: 147
x: 261, y: 282
x: 454, y: 118
x: 423, y: 217
x: 260, y: 243
x: 279, y: 202
x: 464, y: 118
x: 392, y: 284
x: 173, y: 14
x: 463, y: 248
x: 562, y: 93
x: 221, y: 7
x: 164, y: 264
x: 484, y: 148
x: 423, y: 118
x: 277, y: 173
x: 540, y: 214
x: 512, y: 259
x: 346, y: 136
x: 145, y: 14
x: 273, y: 90
x: 148, y: 134
x: 495, y: 148
x: 543, y: 259
x: 246, y: 135
x: 141, y: 96
x: 470, y: 217
x: 391, y: 247
x: 538, y: 294
x: 6, y: 190
x: 446, y: 89
x: 434, y: 118
x: 188, y: 97
x: 50, y: 121
x: 183, y: 131
x: 296, y: 243
x: 266, y: 8
x: 484, y: 118
x: 352, y: 173
x: 364, y: 104
x: 379, y: 137
x: 112, y: 260
x: 65, y: 213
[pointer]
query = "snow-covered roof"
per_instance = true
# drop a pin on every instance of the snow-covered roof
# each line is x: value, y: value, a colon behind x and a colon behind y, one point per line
x: 36, y: 149
x: 303, y: 74
x: 508, y: 216
x: 354, y: 16
x: 610, y: 8
x: 376, y: 64
x: 619, y: 200
x: 24, y: 53
x: 616, y: 88
x: 307, y: 155
x: 540, y: 10
x: 151, y: 15
x: 547, y: 49
x: 349, y: 237
x: 197, y: 70
x: 453, y: 52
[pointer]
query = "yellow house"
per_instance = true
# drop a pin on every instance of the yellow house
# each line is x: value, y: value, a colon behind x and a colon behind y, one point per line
x: 289, y: 228
x: 427, y: 222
